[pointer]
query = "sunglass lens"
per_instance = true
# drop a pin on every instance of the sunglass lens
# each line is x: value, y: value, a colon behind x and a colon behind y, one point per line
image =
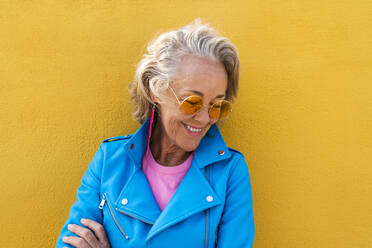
x: 191, y: 105
x: 215, y: 110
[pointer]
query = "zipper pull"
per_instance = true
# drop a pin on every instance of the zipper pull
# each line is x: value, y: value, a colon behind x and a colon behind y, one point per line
x: 102, y: 202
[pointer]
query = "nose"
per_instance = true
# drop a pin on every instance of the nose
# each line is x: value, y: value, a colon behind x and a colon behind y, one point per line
x: 203, y: 116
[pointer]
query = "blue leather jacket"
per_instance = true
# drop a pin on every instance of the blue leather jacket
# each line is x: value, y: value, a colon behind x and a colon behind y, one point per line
x: 212, y: 206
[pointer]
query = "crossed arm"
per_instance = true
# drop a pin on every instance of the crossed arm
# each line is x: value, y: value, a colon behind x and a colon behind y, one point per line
x: 96, y: 238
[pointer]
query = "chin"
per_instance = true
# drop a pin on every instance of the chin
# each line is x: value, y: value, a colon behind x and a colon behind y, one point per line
x: 189, y: 147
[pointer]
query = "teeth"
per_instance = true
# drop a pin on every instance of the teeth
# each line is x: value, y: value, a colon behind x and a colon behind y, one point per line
x: 193, y: 129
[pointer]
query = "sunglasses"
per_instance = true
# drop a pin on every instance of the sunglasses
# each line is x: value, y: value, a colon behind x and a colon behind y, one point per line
x: 193, y: 104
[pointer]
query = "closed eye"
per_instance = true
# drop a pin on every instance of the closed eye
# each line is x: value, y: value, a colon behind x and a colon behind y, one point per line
x: 192, y: 101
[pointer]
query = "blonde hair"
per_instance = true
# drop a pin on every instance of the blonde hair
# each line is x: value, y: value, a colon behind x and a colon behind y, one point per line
x: 155, y: 70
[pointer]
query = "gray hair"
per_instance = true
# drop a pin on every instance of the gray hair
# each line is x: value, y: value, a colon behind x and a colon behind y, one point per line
x: 155, y: 70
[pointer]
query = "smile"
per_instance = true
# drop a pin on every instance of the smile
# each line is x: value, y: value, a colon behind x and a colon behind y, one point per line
x: 196, y: 130
x: 192, y: 129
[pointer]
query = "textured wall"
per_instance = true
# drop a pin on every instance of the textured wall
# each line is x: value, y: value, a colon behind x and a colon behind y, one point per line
x: 303, y: 117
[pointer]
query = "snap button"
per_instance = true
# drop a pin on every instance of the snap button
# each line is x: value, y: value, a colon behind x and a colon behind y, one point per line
x: 131, y: 146
x: 221, y: 152
x: 124, y: 201
x: 209, y: 198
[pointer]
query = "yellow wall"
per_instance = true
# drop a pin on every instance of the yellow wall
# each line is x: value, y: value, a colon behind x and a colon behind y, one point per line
x: 303, y: 118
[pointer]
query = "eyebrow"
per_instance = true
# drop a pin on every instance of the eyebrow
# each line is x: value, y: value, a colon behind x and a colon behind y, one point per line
x: 201, y: 94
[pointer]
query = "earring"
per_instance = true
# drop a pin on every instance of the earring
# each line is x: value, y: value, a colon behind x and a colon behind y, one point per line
x: 151, y: 122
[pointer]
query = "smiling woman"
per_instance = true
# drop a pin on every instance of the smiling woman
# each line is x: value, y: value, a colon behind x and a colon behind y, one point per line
x: 174, y: 183
x: 200, y: 76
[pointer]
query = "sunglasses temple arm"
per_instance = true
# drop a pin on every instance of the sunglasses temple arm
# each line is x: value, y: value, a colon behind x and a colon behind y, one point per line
x: 175, y: 95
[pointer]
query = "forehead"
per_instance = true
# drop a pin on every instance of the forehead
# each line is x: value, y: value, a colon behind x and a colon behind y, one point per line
x: 200, y: 74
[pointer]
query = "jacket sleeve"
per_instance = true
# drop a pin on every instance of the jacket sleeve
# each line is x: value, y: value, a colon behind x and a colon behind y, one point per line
x: 236, y: 228
x: 87, y: 198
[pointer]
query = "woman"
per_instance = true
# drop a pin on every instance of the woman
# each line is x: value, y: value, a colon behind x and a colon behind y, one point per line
x: 174, y: 183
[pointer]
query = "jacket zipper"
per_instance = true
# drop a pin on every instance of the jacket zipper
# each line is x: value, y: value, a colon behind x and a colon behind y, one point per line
x: 133, y: 216
x: 104, y: 199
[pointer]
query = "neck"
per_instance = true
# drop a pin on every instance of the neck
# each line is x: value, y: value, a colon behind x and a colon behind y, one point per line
x: 164, y: 150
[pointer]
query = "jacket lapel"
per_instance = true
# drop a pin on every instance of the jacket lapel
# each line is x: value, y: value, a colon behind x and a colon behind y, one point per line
x: 137, y: 200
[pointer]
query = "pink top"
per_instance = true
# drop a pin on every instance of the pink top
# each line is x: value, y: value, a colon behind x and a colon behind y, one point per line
x: 163, y: 180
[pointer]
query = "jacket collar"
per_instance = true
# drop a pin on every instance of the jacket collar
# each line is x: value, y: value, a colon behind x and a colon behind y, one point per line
x: 211, y: 149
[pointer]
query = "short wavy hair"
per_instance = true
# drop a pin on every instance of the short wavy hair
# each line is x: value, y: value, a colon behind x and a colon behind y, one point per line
x: 154, y: 71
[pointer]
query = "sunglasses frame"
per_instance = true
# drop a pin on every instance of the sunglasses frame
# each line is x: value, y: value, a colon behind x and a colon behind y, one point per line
x: 209, y: 107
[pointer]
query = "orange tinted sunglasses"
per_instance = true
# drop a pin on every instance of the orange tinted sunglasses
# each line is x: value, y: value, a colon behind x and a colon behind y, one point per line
x: 193, y: 104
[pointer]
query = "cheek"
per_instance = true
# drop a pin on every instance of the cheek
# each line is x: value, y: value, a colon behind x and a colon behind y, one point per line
x: 173, y: 127
x: 172, y: 123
